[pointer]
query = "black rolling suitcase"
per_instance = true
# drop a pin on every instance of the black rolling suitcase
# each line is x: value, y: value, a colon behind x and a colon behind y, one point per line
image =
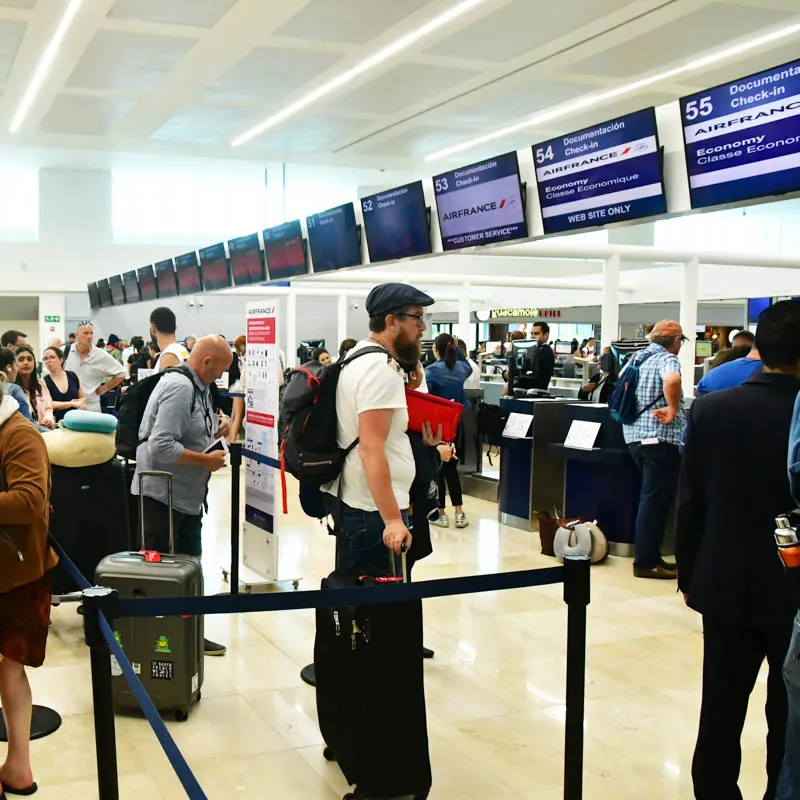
x: 90, y: 517
x: 166, y: 652
x: 371, y: 693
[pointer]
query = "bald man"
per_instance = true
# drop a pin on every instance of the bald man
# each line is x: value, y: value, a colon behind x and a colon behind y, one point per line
x: 654, y: 441
x: 178, y: 427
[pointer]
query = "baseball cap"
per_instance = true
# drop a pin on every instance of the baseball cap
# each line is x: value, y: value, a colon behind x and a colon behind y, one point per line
x: 389, y: 297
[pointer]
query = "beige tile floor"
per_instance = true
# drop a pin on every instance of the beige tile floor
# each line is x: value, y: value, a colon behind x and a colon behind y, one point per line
x: 495, y: 690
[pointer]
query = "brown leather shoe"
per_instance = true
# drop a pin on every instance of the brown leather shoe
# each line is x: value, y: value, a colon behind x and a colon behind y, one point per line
x: 658, y: 573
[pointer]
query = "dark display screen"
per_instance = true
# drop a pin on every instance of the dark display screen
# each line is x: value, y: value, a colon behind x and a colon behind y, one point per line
x: 117, y: 290
x: 742, y: 138
x: 333, y: 238
x: 755, y: 306
x: 165, y: 277
x: 247, y: 265
x: 481, y: 203
x: 105, y: 293
x: 284, y: 251
x: 216, y: 274
x: 131, y: 285
x: 608, y: 173
x: 147, y: 283
x: 396, y: 223
x: 94, y: 295
x: 188, y: 272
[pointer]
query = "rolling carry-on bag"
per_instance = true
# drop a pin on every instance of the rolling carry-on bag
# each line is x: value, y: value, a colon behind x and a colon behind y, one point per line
x: 89, y: 519
x: 371, y: 692
x: 166, y: 652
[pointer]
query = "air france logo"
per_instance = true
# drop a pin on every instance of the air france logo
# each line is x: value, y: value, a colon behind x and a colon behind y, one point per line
x: 599, y: 158
x: 506, y: 202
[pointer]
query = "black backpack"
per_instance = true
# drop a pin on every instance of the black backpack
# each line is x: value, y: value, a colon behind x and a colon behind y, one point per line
x: 308, y: 422
x: 131, y: 410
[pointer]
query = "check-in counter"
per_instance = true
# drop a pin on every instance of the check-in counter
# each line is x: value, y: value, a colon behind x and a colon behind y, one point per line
x: 531, y: 474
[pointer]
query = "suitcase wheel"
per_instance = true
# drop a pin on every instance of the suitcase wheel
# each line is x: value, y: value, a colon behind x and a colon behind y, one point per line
x: 328, y: 755
x: 181, y: 714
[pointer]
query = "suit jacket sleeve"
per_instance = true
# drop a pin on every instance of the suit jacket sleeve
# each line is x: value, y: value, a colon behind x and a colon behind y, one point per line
x: 691, y: 504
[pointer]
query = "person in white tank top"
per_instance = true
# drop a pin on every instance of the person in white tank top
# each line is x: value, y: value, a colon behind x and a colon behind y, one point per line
x: 162, y: 328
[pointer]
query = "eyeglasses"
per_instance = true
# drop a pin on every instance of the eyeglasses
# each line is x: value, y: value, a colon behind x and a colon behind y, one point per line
x: 420, y: 318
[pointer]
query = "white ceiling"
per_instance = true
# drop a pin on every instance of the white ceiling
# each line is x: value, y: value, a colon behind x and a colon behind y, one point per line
x: 187, y: 76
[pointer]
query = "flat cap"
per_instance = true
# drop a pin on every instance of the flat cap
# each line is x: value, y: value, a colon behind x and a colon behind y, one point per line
x: 389, y: 297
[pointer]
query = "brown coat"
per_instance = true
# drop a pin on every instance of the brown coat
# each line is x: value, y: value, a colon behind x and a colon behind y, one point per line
x: 24, y: 504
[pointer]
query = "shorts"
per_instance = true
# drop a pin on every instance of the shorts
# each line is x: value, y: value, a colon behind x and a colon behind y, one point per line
x: 25, y: 622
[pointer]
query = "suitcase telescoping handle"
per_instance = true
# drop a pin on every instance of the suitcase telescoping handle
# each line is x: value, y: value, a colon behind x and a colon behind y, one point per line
x: 168, y: 477
x: 403, y: 564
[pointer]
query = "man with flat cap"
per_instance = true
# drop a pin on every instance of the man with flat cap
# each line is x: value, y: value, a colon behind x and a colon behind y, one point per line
x: 654, y: 441
x: 371, y: 407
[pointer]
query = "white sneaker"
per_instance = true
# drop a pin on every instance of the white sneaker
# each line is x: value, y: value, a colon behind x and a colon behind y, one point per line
x: 461, y: 520
x: 441, y: 521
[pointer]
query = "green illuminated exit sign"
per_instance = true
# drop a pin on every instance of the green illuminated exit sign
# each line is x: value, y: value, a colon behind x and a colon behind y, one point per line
x: 52, y: 319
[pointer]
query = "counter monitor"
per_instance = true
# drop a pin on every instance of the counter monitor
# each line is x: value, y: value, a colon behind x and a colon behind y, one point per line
x: 285, y: 252
x: 94, y: 295
x: 334, y: 238
x: 187, y: 269
x: 481, y: 204
x: 130, y: 283
x: 397, y: 223
x: 165, y: 277
x: 247, y: 263
x: 117, y: 290
x: 216, y: 272
x: 147, y: 283
x: 104, y: 288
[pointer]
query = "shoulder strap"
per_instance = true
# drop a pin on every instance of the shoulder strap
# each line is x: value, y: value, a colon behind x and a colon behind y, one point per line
x: 366, y: 351
x: 181, y: 369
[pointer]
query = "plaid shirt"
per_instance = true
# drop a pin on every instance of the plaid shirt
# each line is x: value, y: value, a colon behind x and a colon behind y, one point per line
x: 651, y: 387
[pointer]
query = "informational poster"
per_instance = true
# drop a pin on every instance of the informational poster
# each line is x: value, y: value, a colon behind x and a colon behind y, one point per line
x: 743, y: 138
x: 262, y: 476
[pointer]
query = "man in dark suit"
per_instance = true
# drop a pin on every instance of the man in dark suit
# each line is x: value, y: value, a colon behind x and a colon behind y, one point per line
x: 727, y: 567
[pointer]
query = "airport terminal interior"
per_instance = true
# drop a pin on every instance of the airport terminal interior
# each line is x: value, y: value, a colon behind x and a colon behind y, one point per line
x: 558, y: 178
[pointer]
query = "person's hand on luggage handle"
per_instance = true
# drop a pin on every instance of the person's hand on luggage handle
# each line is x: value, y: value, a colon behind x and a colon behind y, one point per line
x: 215, y: 460
x: 395, y: 534
x: 429, y: 438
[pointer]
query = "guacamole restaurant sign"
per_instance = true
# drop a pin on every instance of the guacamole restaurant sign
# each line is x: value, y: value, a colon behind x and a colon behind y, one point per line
x: 525, y: 313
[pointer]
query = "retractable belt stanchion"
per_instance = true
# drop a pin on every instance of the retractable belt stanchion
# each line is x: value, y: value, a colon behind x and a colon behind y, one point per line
x: 99, y: 600
x: 236, y: 481
x: 576, y: 596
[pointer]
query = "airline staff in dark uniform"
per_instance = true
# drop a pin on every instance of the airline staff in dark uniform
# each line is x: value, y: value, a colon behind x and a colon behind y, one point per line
x: 547, y: 360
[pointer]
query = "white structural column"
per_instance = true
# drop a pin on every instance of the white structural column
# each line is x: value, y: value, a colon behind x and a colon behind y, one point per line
x: 291, y: 330
x: 609, y: 317
x: 688, y: 320
x: 341, y: 324
x: 465, y: 330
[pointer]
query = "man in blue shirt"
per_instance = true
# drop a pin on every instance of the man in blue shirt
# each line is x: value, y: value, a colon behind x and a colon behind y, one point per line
x: 654, y: 441
x: 734, y: 373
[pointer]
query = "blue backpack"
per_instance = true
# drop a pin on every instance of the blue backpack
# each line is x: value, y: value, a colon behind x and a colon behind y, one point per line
x: 622, y: 403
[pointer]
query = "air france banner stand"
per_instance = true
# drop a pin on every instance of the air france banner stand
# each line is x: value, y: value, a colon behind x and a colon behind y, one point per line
x: 743, y: 138
x: 262, y: 480
x: 609, y: 173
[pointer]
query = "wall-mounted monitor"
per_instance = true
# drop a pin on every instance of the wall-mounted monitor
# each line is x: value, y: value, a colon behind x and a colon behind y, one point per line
x: 285, y: 251
x: 611, y: 172
x: 334, y: 239
x: 147, y: 283
x: 165, y: 277
x: 247, y: 263
x: 481, y: 203
x: 216, y: 273
x: 104, y: 288
x: 703, y: 349
x: 396, y: 223
x: 117, y: 290
x: 755, y: 306
x: 94, y: 295
x: 187, y: 269
x: 742, y: 138
x: 130, y: 282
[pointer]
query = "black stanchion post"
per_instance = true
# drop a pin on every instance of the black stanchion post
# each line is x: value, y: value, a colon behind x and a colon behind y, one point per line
x: 236, y: 480
x: 576, y: 596
x: 96, y: 600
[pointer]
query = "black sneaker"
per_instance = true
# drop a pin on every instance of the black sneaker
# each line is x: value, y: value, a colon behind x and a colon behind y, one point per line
x: 668, y: 565
x: 213, y: 649
x: 427, y: 652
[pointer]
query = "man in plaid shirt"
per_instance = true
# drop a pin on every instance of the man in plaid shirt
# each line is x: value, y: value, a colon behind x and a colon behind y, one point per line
x: 654, y: 441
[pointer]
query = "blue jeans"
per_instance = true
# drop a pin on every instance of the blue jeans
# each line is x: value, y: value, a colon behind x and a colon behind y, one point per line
x: 789, y: 783
x: 660, y: 465
x: 361, y: 540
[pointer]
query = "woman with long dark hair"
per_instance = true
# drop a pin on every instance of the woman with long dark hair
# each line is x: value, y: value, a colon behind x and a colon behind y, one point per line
x: 446, y: 378
x: 8, y: 378
x: 64, y: 387
x: 36, y: 392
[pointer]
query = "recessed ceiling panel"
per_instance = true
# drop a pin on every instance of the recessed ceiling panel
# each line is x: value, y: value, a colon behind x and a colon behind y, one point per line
x: 311, y: 133
x: 691, y: 35
x: 11, y: 33
x: 128, y: 62
x: 201, y: 13
x: 400, y: 87
x: 268, y: 74
x: 76, y: 114
x: 411, y: 142
x: 204, y: 125
x: 522, y: 26
x: 355, y: 21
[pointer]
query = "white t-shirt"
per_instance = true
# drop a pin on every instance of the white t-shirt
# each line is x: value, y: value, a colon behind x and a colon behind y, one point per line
x: 373, y: 382
x: 177, y: 349
x: 474, y: 380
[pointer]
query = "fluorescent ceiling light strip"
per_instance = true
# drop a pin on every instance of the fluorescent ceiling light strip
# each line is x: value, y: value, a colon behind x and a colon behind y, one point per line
x: 592, y: 100
x: 46, y: 62
x: 403, y: 43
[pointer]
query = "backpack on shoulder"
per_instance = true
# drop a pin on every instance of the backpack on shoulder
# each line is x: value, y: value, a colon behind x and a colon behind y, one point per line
x: 623, y: 404
x: 132, y: 408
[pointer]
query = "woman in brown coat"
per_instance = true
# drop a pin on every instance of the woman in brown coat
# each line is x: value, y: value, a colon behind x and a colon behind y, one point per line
x: 25, y: 561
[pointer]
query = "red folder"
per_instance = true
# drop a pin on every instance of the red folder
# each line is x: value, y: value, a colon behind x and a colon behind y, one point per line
x: 424, y: 407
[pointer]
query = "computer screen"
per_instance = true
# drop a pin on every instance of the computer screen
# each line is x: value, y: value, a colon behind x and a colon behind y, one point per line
x: 285, y: 251
x: 94, y: 295
x: 216, y: 272
x: 334, y: 239
x: 165, y: 276
x: 117, y: 290
x: 703, y: 349
x: 130, y: 282
x: 147, y: 283
x: 247, y: 263
x: 104, y: 288
x: 396, y: 223
x: 755, y: 306
x: 187, y: 269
